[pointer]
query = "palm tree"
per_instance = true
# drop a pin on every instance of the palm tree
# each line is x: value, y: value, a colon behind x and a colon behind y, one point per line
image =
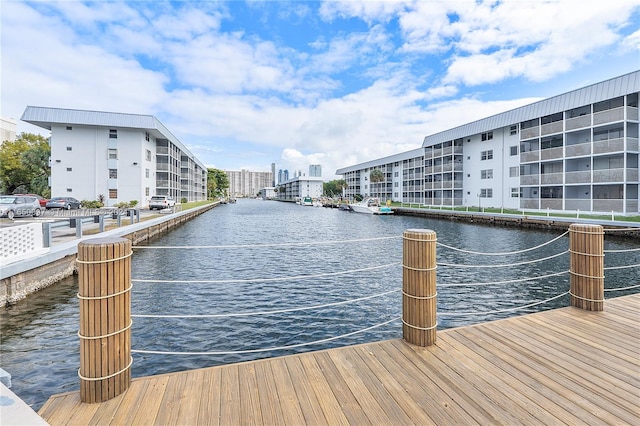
x: 376, y: 176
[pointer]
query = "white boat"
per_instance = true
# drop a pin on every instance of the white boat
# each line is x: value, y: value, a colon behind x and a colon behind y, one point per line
x: 307, y: 201
x: 370, y: 205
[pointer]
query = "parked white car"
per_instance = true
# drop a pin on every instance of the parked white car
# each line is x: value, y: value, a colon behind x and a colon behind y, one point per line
x: 19, y: 205
x: 161, y: 202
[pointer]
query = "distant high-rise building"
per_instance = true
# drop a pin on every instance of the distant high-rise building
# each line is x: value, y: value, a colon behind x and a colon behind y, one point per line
x: 273, y: 174
x: 286, y: 175
x: 315, y: 170
x: 245, y: 183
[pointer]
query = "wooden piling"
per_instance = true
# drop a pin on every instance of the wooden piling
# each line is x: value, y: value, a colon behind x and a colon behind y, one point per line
x: 419, y: 287
x: 586, y: 248
x: 104, y: 271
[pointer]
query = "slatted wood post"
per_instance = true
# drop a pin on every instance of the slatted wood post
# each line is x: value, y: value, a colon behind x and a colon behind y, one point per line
x: 586, y: 248
x: 104, y: 271
x: 419, y: 287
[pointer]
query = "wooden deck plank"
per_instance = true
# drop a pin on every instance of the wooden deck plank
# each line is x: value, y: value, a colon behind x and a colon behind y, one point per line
x: 562, y: 366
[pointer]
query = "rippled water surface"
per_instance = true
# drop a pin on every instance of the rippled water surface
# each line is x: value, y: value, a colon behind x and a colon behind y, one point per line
x: 270, y: 249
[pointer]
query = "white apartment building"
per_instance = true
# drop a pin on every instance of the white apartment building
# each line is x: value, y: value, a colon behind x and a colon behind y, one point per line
x: 300, y: 187
x: 8, y: 128
x: 575, y: 151
x: 244, y: 183
x: 122, y: 157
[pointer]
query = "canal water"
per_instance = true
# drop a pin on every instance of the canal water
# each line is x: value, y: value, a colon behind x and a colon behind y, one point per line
x: 232, y: 284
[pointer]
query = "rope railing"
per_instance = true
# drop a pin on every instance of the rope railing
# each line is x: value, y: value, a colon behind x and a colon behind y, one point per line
x: 278, y: 348
x: 479, y: 284
x: 263, y: 280
x: 503, y: 253
x: 278, y: 311
x: 290, y: 244
x: 611, y: 268
x: 631, y: 287
x: 499, y: 311
x: 528, y: 262
x: 622, y: 250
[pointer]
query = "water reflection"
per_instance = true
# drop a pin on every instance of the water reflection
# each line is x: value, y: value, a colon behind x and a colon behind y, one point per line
x: 41, y: 349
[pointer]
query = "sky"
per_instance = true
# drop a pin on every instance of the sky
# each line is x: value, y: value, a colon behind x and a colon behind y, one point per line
x: 243, y: 84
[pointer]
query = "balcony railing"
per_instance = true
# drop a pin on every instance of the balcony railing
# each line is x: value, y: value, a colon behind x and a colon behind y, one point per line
x: 551, y: 178
x: 578, y: 122
x: 551, y: 153
x: 529, y: 179
x: 529, y: 133
x: 583, y: 176
x: 608, y: 205
x: 551, y: 203
x: 578, y: 150
x: 632, y: 113
x: 609, y: 175
x: 615, y: 114
x: 610, y: 145
x: 577, y: 204
x: 632, y: 175
x: 529, y: 203
x: 555, y: 127
x: 632, y: 144
x: 526, y: 157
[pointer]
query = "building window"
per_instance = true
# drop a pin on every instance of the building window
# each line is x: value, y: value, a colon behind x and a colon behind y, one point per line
x: 69, y: 148
x: 486, y: 193
x: 69, y: 128
x: 113, y: 173
x: 69, y: 190
x: 147, y: 155
x: 514, y: 150
x: 146, y: 173
x: 486, y: 174
x: 396, y: 174
x: 513, y: 130
x: 69, y: 169
x: 113, y: 154
x: 113, y: 194
x: 146, y: 191
x: 146, y: 136
x: 487, y: 136
x: 395, y: 184
x: 486, y: 155
x: 514, y: 171
x: 515, y: 192
x: 113, y: 134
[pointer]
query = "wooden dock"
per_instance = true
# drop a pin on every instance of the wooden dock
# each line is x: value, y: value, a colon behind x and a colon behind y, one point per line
x: 565, y: 366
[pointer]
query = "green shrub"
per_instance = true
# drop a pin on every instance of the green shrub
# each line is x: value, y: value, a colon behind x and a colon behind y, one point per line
x: 91, y: 204
x: 183, y: 200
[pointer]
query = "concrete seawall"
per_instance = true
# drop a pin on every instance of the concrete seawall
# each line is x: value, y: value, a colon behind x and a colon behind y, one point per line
x: 627, y: 229
x: 21, y: 278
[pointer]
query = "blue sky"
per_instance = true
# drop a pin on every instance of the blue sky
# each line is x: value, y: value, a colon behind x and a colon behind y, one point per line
x: 336, y: 83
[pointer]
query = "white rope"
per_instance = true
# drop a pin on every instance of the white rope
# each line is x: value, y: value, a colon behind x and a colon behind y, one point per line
x: 622, y: 250
x: 90, y: 262
x: 419, y: 240
x: 310, y: 243
x: 610, y: 268
x: 139, y: 351
x: 420, y: 328
x: 456, y: 314
x: 105, y: 335
x: 262, y: 280
x: 502, y: 282
x: 457, y: 265
x: 505, y: 253
x: 586, y: 276
x: 623, y: 288
x: 585, y: 299
x: 575, y: 231
x: 586, y: 254
x: 620, y: 229
x: 95, y: 379
x: 104, y: 297
x: 420, y: 269
x: 420, y: 297
x: 280, y: 311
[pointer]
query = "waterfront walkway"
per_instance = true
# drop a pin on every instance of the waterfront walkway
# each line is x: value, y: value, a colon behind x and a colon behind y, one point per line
x: 565, y: 366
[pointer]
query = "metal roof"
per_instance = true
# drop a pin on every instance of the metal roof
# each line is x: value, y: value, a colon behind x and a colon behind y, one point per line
x: 608, y: 89
x: 418, y: 152
x: 45, y: 117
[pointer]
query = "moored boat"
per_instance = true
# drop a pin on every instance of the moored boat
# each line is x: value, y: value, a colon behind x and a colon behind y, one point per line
x: 370, y: 205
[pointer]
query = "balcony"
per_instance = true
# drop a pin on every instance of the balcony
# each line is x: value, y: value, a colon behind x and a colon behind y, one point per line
x: 527, y: 157
x: 529, y: 203
x: 448, y: 167
x: 437, y: 152
x: 551, y: 153
x: 583, y: 176
x: 578, y: 150
x: 162, y: 150
x: 555, y: 127
x: 578, y: 122
x: 437, y: 185
x: 577, y: 204
x: 632, y: 175
x: 632, y: 113
x: 551, y: 178
x: 447, y: 150
x: 608, y: 116
x: 632, y: 144
x: 551, y: 203
x: 529, y: 179
x: 608, y: 175
x: 610, y: 145
x: 608, y: 205
x: 529, y: 133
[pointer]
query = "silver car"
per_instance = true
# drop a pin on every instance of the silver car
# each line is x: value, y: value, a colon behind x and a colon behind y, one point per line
x: 19, y: 205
